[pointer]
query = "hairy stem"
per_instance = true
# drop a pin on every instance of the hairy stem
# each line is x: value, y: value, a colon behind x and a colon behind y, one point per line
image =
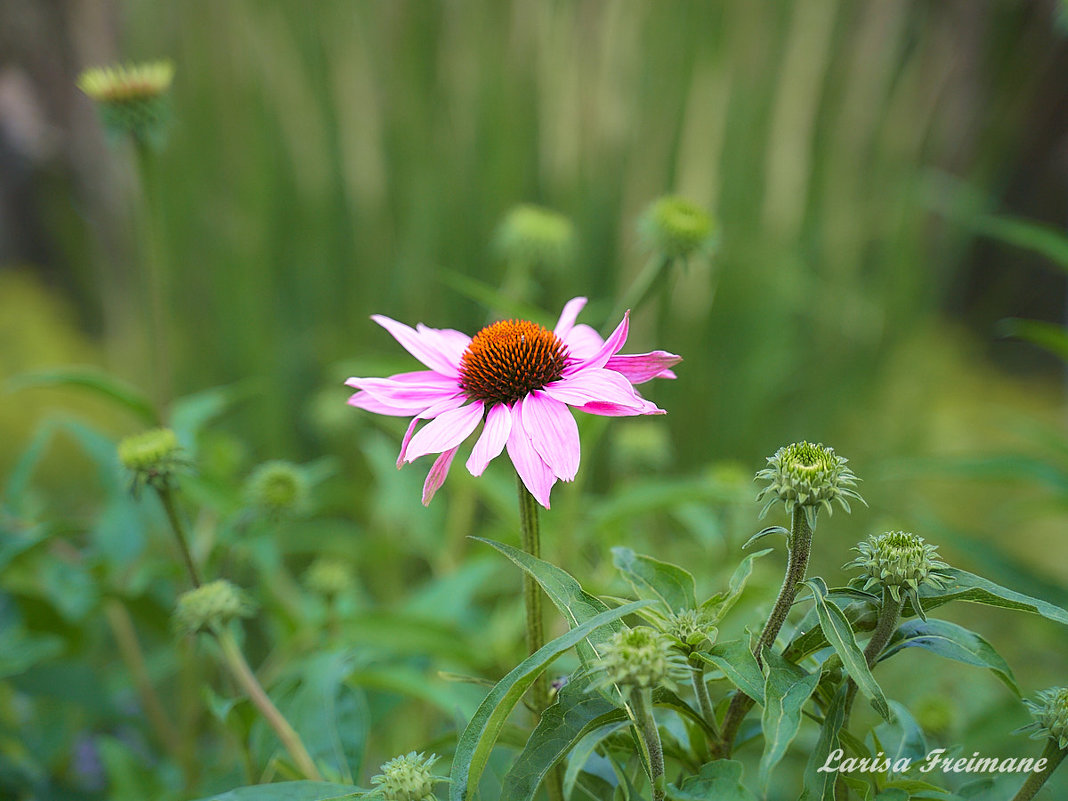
x: 642, y: 704
x: 800, y: 546
x: 166, y: 497
x: 238, y: 666
x: 1054, y: 755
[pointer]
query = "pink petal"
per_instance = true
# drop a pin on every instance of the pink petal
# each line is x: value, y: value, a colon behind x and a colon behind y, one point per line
x: 446, y: 431
x: 451, y: 342
x: 436, y: 477
x: 407, y: 393
x: 641, y: 367
x: 426, y: 345
x: 568, y: 316
x: 597, y: 385
x: 537, y: 476
x: 614, y: 410
x: 608, y: 349
x: 428, y: 414
x: 553, y: 433
x: 582, y: 342
x: 368, y: 402
x: 494, y: 436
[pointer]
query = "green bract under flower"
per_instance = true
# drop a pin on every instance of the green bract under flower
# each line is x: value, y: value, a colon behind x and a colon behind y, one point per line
x: 532, y: 235
x: 1050, y: 710
x: 131, y: 99
x: 407, y: 778
x: 677, y: 228
x: 210, y: 605
x: 639, y: 659
x: 151, y: 456
x: 807, y: 476
x: 899, y: 561
x: 277, y: 487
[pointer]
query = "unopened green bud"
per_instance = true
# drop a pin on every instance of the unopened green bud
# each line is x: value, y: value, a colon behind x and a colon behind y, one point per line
x: 807, y: 476
x: 328, y: 577
x: 690, y: 631
x: 901, y: 562
x: 277, y: 488
x: 407, y: 778
x: 211, y: 605
x: 151, y: 456
x: 131, y: 99
x: 677, y: 228
x: 535, y: 236
x: 638, y: 659
x: 1050, y: 710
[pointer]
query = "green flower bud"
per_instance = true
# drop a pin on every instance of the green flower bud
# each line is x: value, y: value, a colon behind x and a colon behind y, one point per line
x: 211, y: 605
x: 809, y: 476
x: 277, y: 488
x: 677, y: 228
x: 1050, y: 711
x: 151, y: 456
x: 690, y: 631
x: 536, y: 236
x: 328, y: 577
x: 131, y: 99
x: 899, y: 561
x: 407, y: 778
x: 638, y: 659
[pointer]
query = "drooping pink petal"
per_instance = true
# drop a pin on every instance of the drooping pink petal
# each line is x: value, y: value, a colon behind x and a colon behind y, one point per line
x: 638, y: 368
x: 494, y: 435
x: 615, y: 410
x: 445, y: 431
x: 438, y: 472
x: 451, y: 342
x: 582, y: 342
x: 610, y: 348
x: 596, y: 385
x: 537, y: 476
x: 427, y: 346
x: 428, y: 414
x: 568, y: 316
x: 407, y: 393
x: 367, y: 401
x: 553, y: 432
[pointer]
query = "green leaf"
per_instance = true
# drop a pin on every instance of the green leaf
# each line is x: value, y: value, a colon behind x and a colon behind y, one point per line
x: 1050, y: 336
x: 840, y: 635
x: 953, y: 642
x: 190, y: 413
x: 724, y: 602
x: 291, y: 791
x: 739, y: 665
x: 667, y: 582
x: 476, y: 741
x: 765, y: 532
x: 786, y: 689
x: 904, y: 738
x: 819, y: 785
x: 964, y: 586
x: 95, y: 381
x: 576, y: 713
x: 717, y: 781
x: 1048, y: 240
x: 583, y: 750
x: 575, y: 604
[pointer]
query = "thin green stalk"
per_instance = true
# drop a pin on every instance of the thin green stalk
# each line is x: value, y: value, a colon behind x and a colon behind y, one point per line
x: 704, y: 702
x: 238, y: 666
x: 1054, y: 755
x: 166, y: 497
x: 642, y: 703
x: 800, y: 546
x: 154, y: 265
x: 643, y: 285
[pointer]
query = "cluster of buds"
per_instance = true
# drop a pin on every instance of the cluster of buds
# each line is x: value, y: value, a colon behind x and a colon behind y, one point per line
x: 641, y: 658
x: 151, y: 457
x: 1050, y: 711
x: 329, y: 577
x: 677, y: 228
x: 536, y: 237
x: 809, y: 477
x: 689, y: 631
x: 901, y: 562
x: 277, y: 488
x: 211, y: 606
x: 132, y: 100
x: 407, y: 778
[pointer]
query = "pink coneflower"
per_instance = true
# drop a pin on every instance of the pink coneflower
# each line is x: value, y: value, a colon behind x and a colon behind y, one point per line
x: 518, y: 379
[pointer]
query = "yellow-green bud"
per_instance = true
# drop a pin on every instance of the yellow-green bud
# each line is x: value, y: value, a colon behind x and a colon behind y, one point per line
x: 690, y: 630
x: 935, y: 713
x: 131, y: 99
x: 328, y: 577
x: 677, y: 228
x: 210, y: 605
x: 1050, y: 710
x: 536, y: 236
x: 901, y: 562
x: 277, y: 488
x: 151, y: 456
x: 807, y: 476
x: 638, y: 659
x: 407, y: 778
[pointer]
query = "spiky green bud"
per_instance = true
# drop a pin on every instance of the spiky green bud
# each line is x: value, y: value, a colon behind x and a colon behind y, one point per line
x: 638, y: 659
x: 901, y: 562
x: 277, y: 488
x: 328, y: 577
x: 407, y: 778
x: 689, y: 630
x: 1050, y: 710
x: 132, y: 99
x: 536, y: 236
x: 677, y: 228
x: 151, y: 456
x: 211, y: 605
x: 807, y: 476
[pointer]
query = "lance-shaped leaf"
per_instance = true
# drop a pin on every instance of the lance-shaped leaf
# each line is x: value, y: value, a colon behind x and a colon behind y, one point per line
x: 95, y: 381
x: 953, y: 642
x: 819, y: 784
x: 738, y: 664
x: 652, y: 578
x: 583, y: 750
x: 964, y: 586
x: 717, y: 781
x: 840, y: 635
x: 477, y: 740
x: 723, y: 602
x: 291, y: 791
x: 786, y: 689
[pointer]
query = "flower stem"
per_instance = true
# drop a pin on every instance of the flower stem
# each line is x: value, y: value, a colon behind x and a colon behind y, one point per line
x: 642, y: 703
x: 800, y: 546
x: 643, y: 285
x: 1054, y: 755
x: 238, y: 666
x: 704, y: 702
x: 155, y: 270
x: 166, y: 497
